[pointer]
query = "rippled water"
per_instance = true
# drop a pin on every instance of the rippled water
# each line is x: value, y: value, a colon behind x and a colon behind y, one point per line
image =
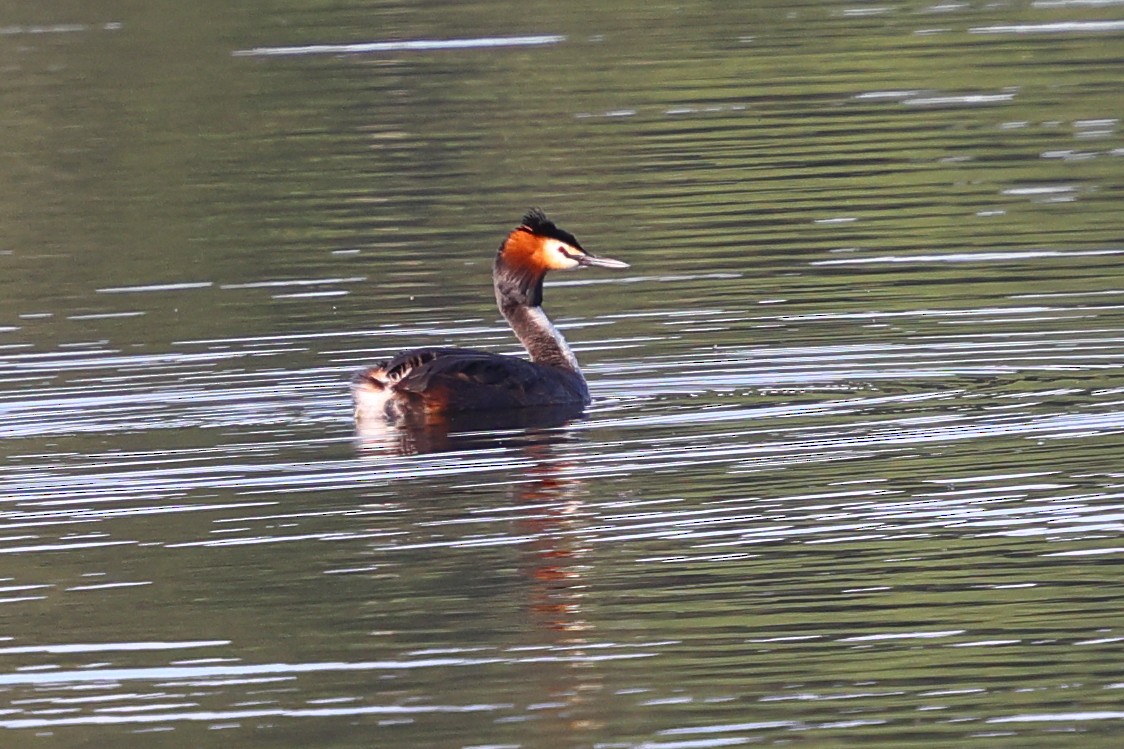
x: 852, y: 474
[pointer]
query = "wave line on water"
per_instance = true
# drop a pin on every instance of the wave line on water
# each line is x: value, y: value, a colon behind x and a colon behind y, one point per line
x: 110, y: 647
x: 243, y: 714
x: 1060, y: 27
x: 156, y: 287
x: 1060, y: 717
x: 179, y: 673
x: 403, y: 46
x: 969, y: 257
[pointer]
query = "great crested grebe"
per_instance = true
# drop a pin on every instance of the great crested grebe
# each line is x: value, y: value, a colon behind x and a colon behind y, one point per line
x: 435, y: 381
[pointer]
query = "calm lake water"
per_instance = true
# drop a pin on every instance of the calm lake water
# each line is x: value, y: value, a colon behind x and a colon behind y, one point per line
x: 854, y: 470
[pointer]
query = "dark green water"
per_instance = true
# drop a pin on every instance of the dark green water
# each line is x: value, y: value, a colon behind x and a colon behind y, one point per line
x: 852, y: 476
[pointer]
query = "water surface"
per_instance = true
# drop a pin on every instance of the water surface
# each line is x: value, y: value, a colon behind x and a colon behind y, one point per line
x: 852, y: 471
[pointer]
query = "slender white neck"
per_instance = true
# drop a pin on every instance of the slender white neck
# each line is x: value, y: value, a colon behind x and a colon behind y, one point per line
x: 519, y: 297
x: 538, y: 335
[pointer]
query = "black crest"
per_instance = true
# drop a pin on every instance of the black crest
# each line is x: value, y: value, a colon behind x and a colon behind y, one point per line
x: 537, y: 223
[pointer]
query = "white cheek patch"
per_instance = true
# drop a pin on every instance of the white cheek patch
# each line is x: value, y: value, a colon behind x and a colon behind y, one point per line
x: 563, y: 257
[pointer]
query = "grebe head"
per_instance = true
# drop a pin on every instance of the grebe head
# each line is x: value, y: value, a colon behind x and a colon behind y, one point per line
x: 538, y: 245
x: 531, y: 249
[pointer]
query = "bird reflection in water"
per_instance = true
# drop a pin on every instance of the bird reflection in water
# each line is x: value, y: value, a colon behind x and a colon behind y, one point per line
x: 556, y: 560
x: 418, y: 433
x: 548, y: 495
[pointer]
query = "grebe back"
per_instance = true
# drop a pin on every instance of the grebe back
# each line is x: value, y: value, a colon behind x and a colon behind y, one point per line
x: 435, y: 381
